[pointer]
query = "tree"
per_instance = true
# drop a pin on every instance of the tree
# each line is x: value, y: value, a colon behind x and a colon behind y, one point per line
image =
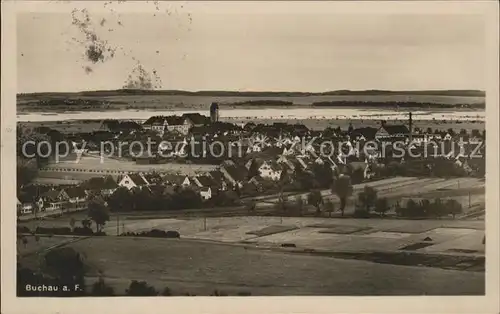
x: 412, y: 208
x: 323, y: 174
x: 358, y: 175
x: 72, y: 223
x: 475, y: 133
x: 121, y: 200
x: 27, y: 170
x: 463, y: 132
x: 342, y: 187
x: 453, y: 207
x: 67, y: 266
x: 237, y: 190
x: 280, y: 204
x: 98, y: 213
x: 101, y: 289
x: 166, y: 292
x: 329, y: 207
x: 429, y: 130
x: 25, y: 241
x: 426, y: 207
x: 299, y: 204
x: 86, y: 223
x: 251, y: 207
x: 367, y: 197
x: 316, y: 199
x: 253, y: 170
x: 381, y: 206
x: 140, y: 289
x: 438, y: 209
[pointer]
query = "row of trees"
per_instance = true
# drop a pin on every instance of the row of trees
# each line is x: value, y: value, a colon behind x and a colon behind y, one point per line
x: 155, y: 198
x: 426, y: 208
x: 341, y: 186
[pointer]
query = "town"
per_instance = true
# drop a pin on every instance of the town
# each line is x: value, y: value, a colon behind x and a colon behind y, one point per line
x: 252, y: 160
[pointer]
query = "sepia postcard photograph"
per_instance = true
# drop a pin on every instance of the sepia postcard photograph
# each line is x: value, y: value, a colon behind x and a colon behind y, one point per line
x: 190, y: 150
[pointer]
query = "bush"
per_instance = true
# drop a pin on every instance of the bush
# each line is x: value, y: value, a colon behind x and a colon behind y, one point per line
x: 218, y: 293
x: 244, y: 293
x: 140, y: 289
x: 361, y: 213
x: 166, y: 292
x: 101, y: 289
x: 155, y: 233
x: 82, y: 231
x: 54, y: 231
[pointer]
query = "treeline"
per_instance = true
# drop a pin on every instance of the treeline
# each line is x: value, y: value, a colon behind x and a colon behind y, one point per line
x: 154, y: 233
x: 395, y: 104
x: 263, y: 103
x: 464, y: 93
x: 156, y: 198
x: 427, y: 209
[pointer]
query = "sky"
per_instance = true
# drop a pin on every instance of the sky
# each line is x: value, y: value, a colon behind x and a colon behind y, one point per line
x: 282, y: 50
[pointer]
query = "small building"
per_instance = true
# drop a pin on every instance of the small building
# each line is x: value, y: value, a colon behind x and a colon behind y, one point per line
x: 206, y: 193
x: 24, y: 205
x: 398, y: 131
x: 133, y: 180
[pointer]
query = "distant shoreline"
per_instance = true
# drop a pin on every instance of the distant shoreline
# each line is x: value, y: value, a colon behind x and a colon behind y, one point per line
x: 121, y: 92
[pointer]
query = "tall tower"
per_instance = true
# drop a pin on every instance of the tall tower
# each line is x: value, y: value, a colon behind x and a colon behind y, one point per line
x: 214, y: 112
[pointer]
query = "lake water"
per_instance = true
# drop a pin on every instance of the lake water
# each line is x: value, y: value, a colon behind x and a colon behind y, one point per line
x: 267, y: 113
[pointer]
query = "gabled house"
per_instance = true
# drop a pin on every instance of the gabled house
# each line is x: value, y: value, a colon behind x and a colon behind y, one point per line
x: 218, y: 179
x: 104, y: 186
x: 133, y: 180
x: 365, y: 134
x: 326, y: 160
x: 177, y: 180
x: 24, y: 205
x: 76, y: 196
x: 204, y: 181
x: 196, y: 119
x: 206, y: 193
x: 152, y: 178
x: 392, y: 131
x: 270, y: 170
x: 162, y: 124
x: 234, y: 174
x: 52, y: 200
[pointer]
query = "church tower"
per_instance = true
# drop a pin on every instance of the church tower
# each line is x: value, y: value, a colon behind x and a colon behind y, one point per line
x: 214, y: 112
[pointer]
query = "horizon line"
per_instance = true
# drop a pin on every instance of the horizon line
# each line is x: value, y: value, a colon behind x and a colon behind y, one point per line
x: 138, y: 90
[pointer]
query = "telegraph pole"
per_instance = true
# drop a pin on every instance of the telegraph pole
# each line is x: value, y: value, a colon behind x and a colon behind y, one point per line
x: 469, y: 199
x: 117, y: 225
x: 205, y: 223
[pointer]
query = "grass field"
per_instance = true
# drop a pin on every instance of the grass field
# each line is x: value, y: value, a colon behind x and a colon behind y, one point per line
x: 199, y: 268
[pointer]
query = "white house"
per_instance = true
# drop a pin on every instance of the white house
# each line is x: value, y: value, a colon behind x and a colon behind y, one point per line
x: 133, y: 180
x: 270, y: 171
x: 206, y: 193
x: 24, y: 207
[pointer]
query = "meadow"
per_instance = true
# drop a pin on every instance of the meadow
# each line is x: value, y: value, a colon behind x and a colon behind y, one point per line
x: 201, y: 267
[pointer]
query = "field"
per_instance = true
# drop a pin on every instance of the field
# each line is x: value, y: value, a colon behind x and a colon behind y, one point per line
x: 89, y: 166
x: 201, y: 267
